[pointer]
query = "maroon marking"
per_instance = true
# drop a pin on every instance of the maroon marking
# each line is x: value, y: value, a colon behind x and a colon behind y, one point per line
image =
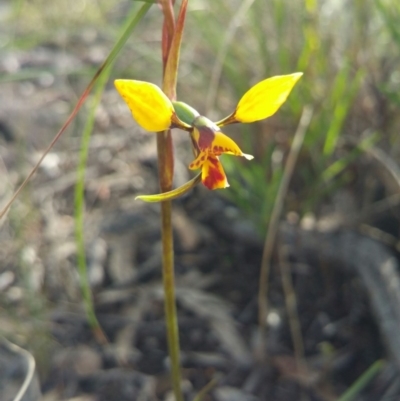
x: 206, y: 130
x: 214, y: 175
x: 206, y: 137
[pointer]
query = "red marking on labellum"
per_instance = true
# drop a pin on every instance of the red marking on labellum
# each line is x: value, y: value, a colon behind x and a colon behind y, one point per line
x: 214, y: 176
x: 213, y: 161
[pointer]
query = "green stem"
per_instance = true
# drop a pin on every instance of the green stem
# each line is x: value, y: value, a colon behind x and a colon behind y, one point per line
x: 164, y: 149
x: 171, y: 41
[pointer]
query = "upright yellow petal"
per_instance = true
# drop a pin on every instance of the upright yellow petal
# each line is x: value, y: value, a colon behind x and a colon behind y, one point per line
x: 265, y: 98
x: 150, y: 107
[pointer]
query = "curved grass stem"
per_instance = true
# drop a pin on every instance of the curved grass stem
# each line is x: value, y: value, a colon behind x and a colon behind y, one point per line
x: 79, y: 213
x: 101, y: 77
x: 274, y: 225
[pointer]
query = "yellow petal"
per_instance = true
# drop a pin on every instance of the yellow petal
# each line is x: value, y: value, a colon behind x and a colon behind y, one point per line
x: 212, y: 174
x: 150, y: 107
x: 265, y: 98
x: 223, y: 144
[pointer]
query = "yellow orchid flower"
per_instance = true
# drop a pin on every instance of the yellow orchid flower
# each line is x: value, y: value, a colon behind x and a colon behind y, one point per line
x: 153, y: 111
x: 210, y: 142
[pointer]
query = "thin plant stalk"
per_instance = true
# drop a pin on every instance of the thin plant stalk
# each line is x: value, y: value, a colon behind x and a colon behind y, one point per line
x: 274, y: 224
x: 79, y: 213
x: 169, y: 298
x: 206, y: 389
x: 291, y: 308
x: 171, y: 39
x: 219, y: 62
x: 164, y: 151
x: 29, y: 385
x: 80, y: 187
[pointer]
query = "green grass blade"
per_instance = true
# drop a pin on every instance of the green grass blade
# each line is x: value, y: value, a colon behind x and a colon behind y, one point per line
x: 205, y: 390
x: 80, y: 206
x: 343, y: 97
x: 80, y: 184
x: 362, y: 381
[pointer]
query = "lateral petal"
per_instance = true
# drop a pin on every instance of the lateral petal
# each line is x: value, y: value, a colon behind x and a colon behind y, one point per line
x: 223, y: 144
x: 265, y: 98
x: 150, y: 107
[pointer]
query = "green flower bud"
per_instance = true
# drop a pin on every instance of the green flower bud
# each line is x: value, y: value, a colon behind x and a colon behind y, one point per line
x: 185, y: 113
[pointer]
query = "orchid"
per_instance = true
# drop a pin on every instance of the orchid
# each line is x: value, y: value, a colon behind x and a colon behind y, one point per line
x: 155, y: 112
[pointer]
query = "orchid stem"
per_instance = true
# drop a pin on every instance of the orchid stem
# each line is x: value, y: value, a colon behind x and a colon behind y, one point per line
x: 171, y: 40
x: 164, y: 150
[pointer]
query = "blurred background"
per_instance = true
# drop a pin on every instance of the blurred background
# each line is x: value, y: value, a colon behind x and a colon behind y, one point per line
x: 342, y: 201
